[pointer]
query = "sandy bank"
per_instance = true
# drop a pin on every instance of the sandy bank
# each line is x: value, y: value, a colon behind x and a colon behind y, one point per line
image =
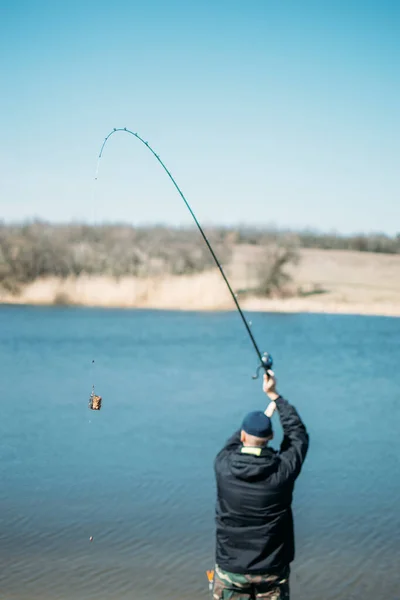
x: 330, y: 281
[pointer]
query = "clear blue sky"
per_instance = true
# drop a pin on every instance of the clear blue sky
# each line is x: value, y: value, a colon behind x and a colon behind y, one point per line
x: 266, y: 111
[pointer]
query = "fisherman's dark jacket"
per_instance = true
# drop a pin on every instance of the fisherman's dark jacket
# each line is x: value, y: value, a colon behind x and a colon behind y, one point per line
x: 254, y: 495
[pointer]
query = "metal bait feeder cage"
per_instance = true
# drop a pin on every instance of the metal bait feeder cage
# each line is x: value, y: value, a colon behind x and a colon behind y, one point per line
x: 94, y: 401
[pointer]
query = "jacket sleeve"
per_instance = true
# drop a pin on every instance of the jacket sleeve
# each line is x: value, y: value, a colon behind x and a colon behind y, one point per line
x: 295, y: 441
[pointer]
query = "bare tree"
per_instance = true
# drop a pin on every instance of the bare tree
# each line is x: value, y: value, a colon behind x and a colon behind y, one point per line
x: 271, y: 272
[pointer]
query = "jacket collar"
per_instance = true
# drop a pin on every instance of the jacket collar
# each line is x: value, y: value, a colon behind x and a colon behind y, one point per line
x: 256, y: 450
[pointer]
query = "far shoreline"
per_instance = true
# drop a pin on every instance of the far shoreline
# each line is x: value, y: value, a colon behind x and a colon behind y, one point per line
x: 331, y: 311
x: 294, y: 305
x: 325, y: 282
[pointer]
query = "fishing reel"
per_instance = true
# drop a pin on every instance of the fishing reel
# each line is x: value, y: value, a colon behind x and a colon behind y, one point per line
x: 94, y: 401
x: 266, y: 364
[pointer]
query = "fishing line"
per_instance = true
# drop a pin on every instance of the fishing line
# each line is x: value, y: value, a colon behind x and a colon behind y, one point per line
x: 265, y: 358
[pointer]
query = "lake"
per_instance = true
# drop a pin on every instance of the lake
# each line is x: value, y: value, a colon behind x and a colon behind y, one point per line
x: 137, y: 476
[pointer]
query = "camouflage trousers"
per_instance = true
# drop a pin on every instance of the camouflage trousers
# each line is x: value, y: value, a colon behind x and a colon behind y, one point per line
x: 232, y: 586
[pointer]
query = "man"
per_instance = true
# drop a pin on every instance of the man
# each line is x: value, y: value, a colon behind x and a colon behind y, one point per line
x: 255, y: 539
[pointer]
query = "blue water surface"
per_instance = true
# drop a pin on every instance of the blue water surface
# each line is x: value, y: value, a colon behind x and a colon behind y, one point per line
x: 137, y: 476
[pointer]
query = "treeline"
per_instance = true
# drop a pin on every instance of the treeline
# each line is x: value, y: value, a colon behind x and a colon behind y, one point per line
x: 374, y: 242
x: 39, y: 249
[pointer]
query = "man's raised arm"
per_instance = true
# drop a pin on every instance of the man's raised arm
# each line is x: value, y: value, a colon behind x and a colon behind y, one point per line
x: 295, y: 441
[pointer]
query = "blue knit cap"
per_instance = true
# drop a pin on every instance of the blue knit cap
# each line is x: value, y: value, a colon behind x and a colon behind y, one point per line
x: 258, y: 424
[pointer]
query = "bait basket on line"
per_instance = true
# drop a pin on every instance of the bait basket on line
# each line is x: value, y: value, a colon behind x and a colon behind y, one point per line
x: 94, y: 401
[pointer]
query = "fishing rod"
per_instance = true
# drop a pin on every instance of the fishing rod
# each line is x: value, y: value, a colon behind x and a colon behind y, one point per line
x: 265, y: 358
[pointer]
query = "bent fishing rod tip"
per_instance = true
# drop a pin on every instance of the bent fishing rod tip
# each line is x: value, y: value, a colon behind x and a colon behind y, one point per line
x: 265, y: 359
